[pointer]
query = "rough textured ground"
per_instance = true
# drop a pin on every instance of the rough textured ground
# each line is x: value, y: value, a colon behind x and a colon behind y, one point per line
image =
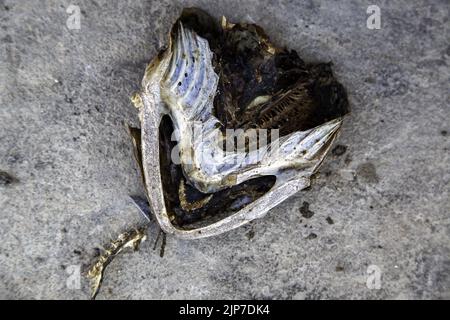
x: 67, y: 169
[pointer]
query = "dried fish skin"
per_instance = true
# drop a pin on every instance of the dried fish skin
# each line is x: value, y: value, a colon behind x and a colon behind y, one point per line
x: 196, y: 81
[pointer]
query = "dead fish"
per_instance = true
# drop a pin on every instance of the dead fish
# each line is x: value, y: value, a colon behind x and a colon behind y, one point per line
x: 215, y: 78
x: 214, y: 86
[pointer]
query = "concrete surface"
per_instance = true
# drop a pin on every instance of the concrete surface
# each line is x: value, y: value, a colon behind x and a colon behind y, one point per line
x: 381, y: 199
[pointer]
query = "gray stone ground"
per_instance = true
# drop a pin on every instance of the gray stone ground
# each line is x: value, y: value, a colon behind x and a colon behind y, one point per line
x: 68, y: 168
